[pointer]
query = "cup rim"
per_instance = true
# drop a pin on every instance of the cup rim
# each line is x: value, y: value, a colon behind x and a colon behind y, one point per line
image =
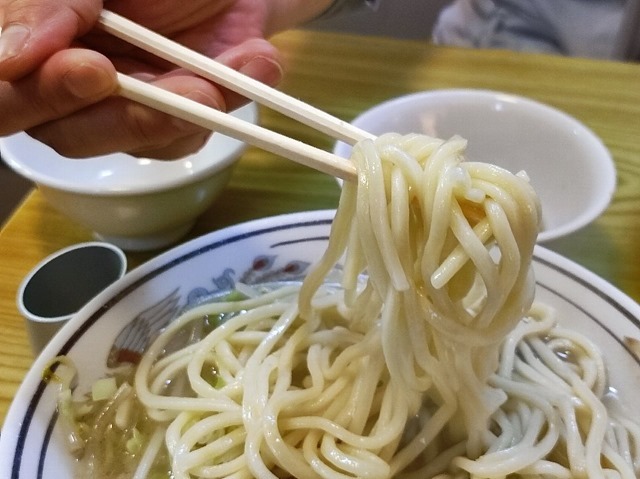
x: 607, y: 174
x: 29, y: 315
x: 201, y: 165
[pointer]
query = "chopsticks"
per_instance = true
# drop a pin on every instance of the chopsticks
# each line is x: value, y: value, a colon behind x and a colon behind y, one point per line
x: 206, y: 117
x: 227, y: 124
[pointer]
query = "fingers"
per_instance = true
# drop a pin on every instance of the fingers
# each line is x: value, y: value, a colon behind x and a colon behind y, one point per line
x: 34, y: 29
x: 116, y: 124
x: 67, y: 103
x: 256, y: 58
x: 65, y: 83
x: 176, y: 149
x: 64, y: 96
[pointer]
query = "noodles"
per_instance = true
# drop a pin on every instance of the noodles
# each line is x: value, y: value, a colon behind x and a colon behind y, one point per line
x: 428, y: 360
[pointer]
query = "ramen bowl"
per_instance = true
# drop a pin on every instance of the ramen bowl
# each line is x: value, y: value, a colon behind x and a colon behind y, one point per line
x: 568, y: 165
x: 121, y: 321
x: 134, y: 203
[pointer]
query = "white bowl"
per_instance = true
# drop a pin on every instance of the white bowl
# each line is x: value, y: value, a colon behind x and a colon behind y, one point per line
x: 135, y: 203
x: 568, y: 165
x: 281, y: 247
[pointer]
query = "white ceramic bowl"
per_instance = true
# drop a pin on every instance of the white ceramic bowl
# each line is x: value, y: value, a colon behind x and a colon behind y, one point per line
x: 568, y: 165
x: 135, y: 203
x: 280, y: 247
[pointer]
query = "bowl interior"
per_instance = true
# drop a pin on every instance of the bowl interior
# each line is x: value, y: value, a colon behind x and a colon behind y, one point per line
x: 119, y: 172
x: 568, y: 165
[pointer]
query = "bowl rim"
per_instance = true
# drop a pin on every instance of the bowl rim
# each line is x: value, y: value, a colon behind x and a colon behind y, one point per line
x: 12, y: 443
x: 607, y: 169
x: 248, y: 112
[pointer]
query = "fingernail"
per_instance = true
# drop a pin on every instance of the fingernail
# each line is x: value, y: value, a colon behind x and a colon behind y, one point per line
x: 264, y: 69
x: 86, y: 81
x: 13, y: 39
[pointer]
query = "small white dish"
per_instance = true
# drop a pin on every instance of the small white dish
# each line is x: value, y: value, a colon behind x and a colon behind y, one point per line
x: 134, y: 203
x: 280, y: 247
x: 62, y: 283
x: 569, y: 166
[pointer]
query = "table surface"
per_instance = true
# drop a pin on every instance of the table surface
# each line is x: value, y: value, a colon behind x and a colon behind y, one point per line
x: 345, y: 75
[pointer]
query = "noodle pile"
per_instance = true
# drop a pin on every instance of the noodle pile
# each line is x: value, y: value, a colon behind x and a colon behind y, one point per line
x: 428, y: 360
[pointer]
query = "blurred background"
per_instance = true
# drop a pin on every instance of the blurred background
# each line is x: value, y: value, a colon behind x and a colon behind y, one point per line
x: 411, y: 19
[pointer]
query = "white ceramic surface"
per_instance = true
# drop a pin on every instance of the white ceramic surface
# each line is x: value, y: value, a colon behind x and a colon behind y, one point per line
x: 568, y: 165
x: 135, y: 203
x: 30, y: 446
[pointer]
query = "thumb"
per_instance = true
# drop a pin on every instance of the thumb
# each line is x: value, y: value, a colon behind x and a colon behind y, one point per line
x: 32, y: 30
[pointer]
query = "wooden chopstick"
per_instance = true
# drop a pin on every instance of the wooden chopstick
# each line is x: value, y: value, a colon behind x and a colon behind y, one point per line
x: 189, y: 110
x: 204, y: 66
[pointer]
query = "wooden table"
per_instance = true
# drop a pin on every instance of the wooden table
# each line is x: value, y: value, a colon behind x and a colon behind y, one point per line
x: 345, y: 75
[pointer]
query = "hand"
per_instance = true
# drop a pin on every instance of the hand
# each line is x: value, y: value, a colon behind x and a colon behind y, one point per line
x: 58, y: 74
